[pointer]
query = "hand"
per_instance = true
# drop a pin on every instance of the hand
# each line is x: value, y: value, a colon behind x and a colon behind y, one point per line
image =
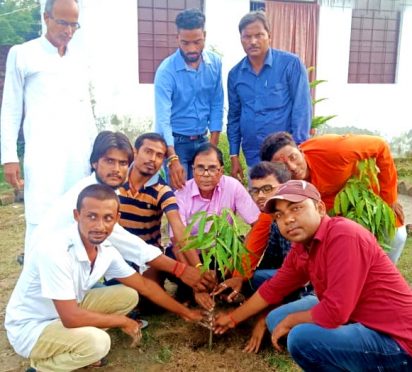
x: 282, y: 329
x: 209, y: 280
x: 204, y: 300
x: 133, y: 329
x: 12, y: 175
x: 177, y: 175
x: 192, y: 277
x: 237, y: 171
x: 255, y: 340
x: 222, y: 323
x: 192, y: 315
x: 398, y: 209
x: 234, y: 283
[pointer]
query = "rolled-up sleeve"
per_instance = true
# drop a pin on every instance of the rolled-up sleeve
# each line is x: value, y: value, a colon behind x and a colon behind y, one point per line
x: 132, y: 248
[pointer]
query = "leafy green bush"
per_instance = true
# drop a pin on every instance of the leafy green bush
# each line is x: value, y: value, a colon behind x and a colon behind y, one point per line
x: 358, y: 202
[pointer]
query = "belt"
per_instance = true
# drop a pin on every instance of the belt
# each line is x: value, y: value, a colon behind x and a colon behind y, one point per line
x: 192, y: 138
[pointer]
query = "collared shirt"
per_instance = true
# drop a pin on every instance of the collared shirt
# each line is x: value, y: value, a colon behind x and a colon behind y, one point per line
x: 60, y: 271
x: 353, y: 278
x: 332, y: 159
x: 60, y: 216
x: 276, y: 99
x: 142, y: 210
x: 51, y: 93
x: 229, y: 193
x: 188, y: 101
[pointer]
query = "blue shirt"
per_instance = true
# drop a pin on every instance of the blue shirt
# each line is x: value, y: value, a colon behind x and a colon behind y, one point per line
x: 188, y: 101
x: 276, y: 99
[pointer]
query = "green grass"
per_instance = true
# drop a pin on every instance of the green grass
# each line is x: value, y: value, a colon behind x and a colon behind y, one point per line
x: 4, y: 186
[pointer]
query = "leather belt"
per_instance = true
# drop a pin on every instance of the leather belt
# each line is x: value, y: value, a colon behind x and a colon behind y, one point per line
x: 192, y: 138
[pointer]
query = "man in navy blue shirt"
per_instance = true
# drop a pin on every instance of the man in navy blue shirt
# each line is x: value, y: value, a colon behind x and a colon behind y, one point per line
x: 268, y: 92
x: 188, y: 96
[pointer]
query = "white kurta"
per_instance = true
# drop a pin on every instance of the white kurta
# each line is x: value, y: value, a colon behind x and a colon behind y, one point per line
x: 52, y: 94
x: 60, y: 216
x: 61, y: 271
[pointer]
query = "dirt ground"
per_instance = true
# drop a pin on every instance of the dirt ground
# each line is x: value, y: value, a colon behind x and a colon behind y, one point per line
x: 168, y: 344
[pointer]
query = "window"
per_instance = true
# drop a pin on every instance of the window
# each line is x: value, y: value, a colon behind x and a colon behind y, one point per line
x: 157, y: 32
x: 257, y: 5
x: 374, y: 44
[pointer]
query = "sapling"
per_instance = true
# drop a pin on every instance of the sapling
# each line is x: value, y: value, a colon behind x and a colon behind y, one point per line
x: 219, y: 241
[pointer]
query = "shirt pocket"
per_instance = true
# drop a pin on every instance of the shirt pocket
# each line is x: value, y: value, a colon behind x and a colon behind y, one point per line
x: 274, y: 97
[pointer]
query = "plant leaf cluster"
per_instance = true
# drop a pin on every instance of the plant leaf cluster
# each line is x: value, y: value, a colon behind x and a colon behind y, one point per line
x: 318, y: 120
x: 358, y: 202
x: 218, y: 239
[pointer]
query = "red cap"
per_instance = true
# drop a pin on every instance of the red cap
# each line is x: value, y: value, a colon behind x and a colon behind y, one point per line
x: 294, y: 191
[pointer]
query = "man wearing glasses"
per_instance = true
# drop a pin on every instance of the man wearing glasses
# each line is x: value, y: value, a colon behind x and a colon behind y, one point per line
x: 46, y: 91
x: 212, y: 191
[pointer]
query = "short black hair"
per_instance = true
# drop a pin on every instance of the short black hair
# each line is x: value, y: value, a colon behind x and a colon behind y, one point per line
x: 107, y: 140
x: 267, y: 168
x: 155, y: 137
x: 97, y: 191
x: 207, y: 148
x: 273, y: 143
x: 190, y: 19
x: 252, y: 17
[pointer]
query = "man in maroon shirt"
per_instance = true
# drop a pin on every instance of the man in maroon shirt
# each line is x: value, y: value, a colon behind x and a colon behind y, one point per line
x: 363, y: 317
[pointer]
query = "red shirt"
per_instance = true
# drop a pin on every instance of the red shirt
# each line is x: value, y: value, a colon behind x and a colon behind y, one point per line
x: 353, y: 278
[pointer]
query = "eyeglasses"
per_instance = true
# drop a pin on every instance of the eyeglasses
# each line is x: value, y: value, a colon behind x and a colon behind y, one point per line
x: 61, y: 22
x: 200, y: 170
x: 266, y: 189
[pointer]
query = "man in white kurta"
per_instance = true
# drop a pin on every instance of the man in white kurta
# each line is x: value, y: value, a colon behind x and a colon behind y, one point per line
x: 46, y: 88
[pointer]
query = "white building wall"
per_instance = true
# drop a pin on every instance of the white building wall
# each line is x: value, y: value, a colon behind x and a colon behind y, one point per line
x: 382, y: 107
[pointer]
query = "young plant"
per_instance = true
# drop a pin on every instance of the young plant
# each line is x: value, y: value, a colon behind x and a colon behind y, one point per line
x: 358, y: 202
x: 219, y: 240
x: 318, y: 120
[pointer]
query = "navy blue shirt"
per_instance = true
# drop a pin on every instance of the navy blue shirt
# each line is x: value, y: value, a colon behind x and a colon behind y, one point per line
x: 188, y: 101
x: 276, y: 99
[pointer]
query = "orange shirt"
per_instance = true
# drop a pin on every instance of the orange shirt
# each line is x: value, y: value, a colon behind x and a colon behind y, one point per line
x: 256, y: 242
x: 332, y: 160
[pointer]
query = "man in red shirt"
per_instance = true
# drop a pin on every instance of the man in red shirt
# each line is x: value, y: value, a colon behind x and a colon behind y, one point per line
x: 363, y: 317
x: 329, y: 161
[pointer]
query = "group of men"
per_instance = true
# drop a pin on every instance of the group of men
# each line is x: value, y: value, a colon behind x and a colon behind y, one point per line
x: 84, y: 227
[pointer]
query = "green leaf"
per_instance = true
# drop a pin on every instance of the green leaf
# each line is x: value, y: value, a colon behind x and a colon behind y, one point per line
x: 344, y: 203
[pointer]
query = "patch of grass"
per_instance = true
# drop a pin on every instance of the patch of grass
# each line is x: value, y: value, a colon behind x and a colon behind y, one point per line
x: 4, y: 186
x: 164, y: 355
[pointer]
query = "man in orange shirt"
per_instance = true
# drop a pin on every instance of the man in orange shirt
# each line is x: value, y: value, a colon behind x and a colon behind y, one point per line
x: 328, y: 162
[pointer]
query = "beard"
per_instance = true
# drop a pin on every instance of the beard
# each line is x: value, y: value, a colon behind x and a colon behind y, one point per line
x: 190, y: 57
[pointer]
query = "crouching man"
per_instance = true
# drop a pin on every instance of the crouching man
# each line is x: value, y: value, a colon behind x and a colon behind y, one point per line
x: 363, y: 318
x: 55, y: 317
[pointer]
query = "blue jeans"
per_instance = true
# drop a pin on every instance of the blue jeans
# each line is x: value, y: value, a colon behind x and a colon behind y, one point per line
x: 352, y: 347
x: 185, y: 148
x: 260, y: 276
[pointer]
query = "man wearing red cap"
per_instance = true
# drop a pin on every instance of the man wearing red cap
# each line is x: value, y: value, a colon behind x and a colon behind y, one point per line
x: 363, y: 315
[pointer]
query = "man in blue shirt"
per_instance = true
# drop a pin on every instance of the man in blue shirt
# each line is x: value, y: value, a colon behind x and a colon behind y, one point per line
x: 268, y: 92
x: 188, y: 96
